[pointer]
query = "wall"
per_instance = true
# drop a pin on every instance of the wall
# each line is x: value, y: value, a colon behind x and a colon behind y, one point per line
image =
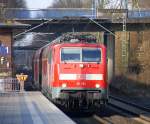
x: 136, y: 75
x: 6, y: 58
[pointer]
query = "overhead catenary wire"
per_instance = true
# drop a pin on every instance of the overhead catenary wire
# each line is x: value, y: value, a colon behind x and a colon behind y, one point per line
x: 106, y: 29
x: 138, y: 8
x: 52, y: 20
x: 136, y: 5
x: 102, y: 27
x: 33, y: 28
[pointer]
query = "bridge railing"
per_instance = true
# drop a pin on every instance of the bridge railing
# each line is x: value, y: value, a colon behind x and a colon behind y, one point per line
x: 52, y: 13
x: 59, y: 13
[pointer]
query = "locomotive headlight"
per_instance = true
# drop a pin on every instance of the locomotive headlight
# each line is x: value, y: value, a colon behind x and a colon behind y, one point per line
x: 81, y: 65
x: 97, y: 86
x: 64, y: 85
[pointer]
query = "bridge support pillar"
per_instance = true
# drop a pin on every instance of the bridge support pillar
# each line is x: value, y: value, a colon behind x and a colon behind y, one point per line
x: 109, y: 41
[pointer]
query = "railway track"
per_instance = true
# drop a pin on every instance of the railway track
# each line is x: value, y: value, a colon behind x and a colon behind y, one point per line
x: 147, y: 109
x: 139, y: 113
x: 118, y: 111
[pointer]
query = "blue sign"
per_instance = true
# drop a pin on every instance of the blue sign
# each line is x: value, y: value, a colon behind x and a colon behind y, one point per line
x: 3, y: 50
x: 139, y: 14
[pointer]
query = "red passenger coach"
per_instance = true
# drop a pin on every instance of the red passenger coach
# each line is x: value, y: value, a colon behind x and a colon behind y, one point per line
x: 37, y: 68
x: 73, y: 73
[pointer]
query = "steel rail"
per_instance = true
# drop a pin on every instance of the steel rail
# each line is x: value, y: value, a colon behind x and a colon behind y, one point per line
x: 142, y: 113
x: 102, y: 120
x: 130, y: 103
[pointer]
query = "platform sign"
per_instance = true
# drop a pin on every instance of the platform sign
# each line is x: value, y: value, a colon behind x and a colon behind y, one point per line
x: 3, y: 50
x: 21, y: 78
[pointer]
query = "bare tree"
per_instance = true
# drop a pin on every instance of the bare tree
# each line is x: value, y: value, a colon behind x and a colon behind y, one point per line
x: 72, y: 4
x: 13, y: 3
x: 103, y: 3
x: 140, y: 4
x: 121, y: 3
x: 144, y: 4
x: 10, y: 4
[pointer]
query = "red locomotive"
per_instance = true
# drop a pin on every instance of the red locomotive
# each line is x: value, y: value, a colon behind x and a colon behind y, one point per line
x: 72, y: 71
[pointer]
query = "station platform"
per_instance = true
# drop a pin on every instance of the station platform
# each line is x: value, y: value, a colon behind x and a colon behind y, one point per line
x: 29, y: 108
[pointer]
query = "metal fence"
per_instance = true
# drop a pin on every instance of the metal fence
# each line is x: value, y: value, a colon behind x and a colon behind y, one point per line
x: 52, y: 13
x: 9, y: 85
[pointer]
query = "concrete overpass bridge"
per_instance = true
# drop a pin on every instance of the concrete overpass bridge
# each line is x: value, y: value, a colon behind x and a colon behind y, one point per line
x: 75, y: 19
x: 78, y: 20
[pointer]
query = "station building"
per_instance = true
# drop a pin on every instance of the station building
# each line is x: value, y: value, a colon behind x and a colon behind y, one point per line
x: 6, y: 43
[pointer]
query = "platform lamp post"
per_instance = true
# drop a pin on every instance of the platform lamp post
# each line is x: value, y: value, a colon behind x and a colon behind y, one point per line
x: 21, y: 79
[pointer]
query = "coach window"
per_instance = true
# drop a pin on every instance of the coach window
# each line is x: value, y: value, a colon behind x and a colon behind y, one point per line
x: 70, y: 54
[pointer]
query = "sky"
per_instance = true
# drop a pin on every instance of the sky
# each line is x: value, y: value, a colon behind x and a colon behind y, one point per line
x: 38, y: 4
x: 41, y: 4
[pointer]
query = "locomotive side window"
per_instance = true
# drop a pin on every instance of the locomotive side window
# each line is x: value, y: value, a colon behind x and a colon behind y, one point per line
x: 70, y: 54
x: 50, y: 56
x: 91, y: 55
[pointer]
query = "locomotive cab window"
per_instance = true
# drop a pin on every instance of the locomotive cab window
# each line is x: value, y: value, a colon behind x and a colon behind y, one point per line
x: 81, y: 55
x: 91, y: 55
x: 70, y: 54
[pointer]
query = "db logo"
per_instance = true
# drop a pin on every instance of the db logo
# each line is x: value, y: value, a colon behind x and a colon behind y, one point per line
x: 81, y: 77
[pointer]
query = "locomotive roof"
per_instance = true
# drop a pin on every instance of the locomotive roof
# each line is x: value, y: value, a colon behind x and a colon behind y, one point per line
x: 74, y: 37
x: 78, y: 37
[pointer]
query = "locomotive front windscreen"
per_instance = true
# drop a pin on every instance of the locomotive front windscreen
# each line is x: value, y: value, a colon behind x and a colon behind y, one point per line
x: 80, y: 55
